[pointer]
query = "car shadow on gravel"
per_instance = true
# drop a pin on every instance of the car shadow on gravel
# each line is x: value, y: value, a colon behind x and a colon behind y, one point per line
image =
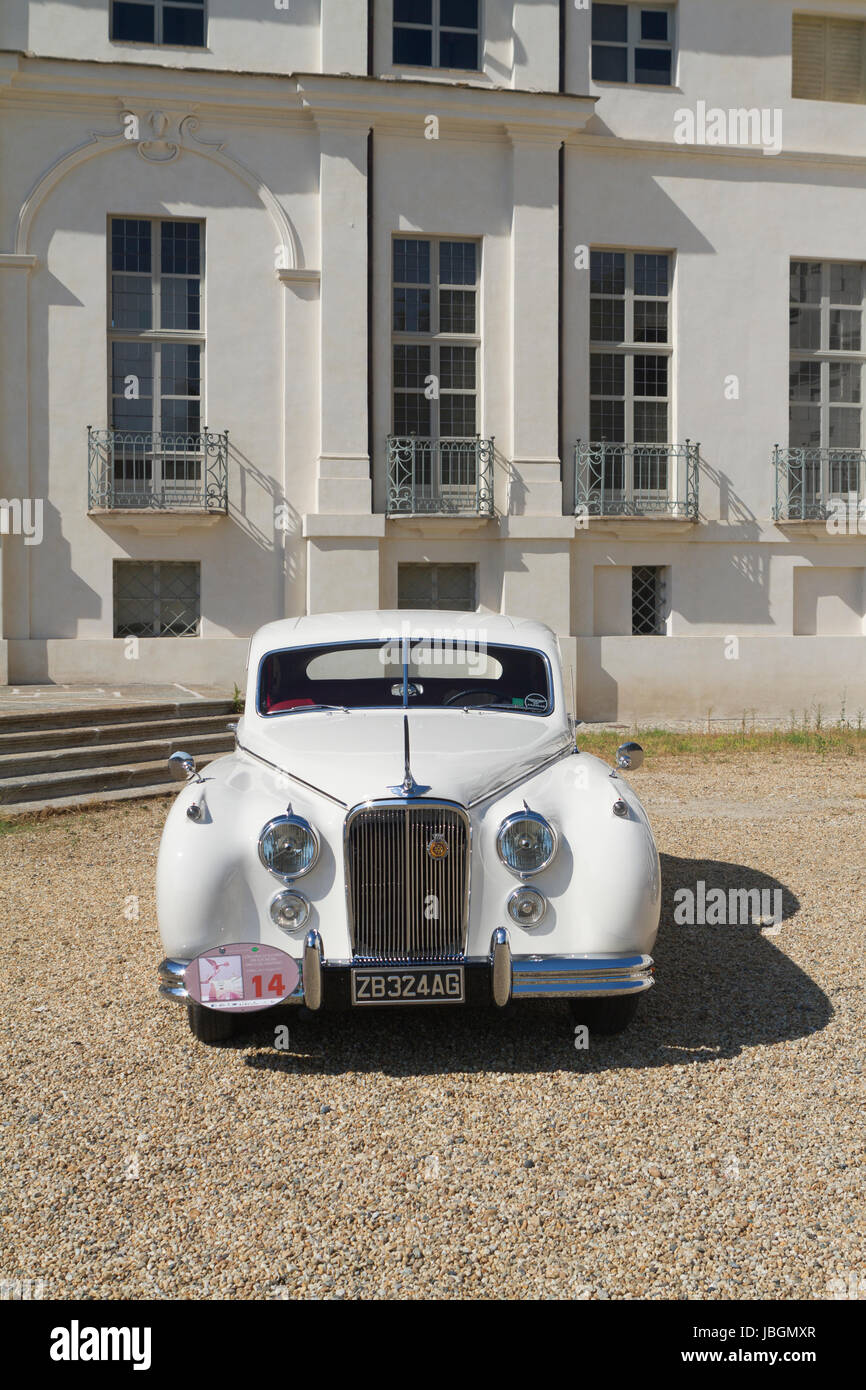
x: 721, y: 989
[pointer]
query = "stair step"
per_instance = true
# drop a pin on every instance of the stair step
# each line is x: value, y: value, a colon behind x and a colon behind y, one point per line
x: 50, y: 785
x: 101, y: 735
x: 34, y: 718
x: 32, y: 763
x: 85, y: 799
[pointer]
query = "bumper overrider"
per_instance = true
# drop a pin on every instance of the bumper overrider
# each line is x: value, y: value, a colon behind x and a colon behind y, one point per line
x: 506, y: 976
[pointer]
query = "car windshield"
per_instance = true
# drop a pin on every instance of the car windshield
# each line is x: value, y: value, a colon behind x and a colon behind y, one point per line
x: 425, y: 673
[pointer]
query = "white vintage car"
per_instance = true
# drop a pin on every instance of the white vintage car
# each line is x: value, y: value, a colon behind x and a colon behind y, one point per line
x: 406, y: 820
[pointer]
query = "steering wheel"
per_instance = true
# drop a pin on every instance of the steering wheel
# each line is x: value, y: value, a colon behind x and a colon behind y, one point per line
x: 482, y: 697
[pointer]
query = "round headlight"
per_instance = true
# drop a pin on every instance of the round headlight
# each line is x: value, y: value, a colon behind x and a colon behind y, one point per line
x: 526, y: 907
x: 526, y: 843
x: 288, y: 846
x: 290, y: 910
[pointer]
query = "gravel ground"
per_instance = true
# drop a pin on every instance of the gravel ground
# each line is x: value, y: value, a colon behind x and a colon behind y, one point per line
x: 713, y: 1151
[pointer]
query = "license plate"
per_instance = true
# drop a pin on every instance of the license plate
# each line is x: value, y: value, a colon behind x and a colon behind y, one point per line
x: 418, y: 984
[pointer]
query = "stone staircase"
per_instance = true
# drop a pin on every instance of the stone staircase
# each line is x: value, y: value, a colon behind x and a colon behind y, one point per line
x: 57, y: 758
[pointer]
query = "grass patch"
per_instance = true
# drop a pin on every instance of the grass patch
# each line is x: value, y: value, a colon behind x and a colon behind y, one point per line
x: 830, y: 740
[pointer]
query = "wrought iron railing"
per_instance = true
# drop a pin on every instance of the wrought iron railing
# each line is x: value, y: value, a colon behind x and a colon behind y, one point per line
x: 450, y: 476
x: 156, y: 471
x: 636, y: 479
x: 813, y: 484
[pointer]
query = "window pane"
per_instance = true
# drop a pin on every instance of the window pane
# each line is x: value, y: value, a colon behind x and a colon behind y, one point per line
x: 411, y: 365
x: 457, y: 368
x: 411, y: 414
x: 844, y: 381
x: 845, y: 330
x: 413, y: 11
x: 607, y: 420
x: 805, y: 381
x: 456, y: 311
x: 459, y: 14
x: 179, y: 602
x: 130, y: 244
x: 457, y: 263
x: 180, y: 304
x: 805, y: 328
x: 805, y: 282
x: 609, y: 64
x: 181, y: 246
x: 133, y: 416
x: 606, y: 374
x: 805, y: 427
x: 654, y: 25
x: 607, y: 320
x: 411, y: 262
x: 180, y: 372
x: 411, y: 311
x: 457, y: 416
x: 181, y: 417
x: 131, y: 301
x: 650, y: 422
x: 132, y: 23
x: 846, y: 284
x: 650, y: 376
x: 458, y: 50
x: 183, y: 26
x: 132, y: 371
x: 650, y: 321
x: 650, y: 274
x: 610, y: 22
x: 845, y: 429
x: 413, y: 46
x: 607, y: 272
x: 653, y: 65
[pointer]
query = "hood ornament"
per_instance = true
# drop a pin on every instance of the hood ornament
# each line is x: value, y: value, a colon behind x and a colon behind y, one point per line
x: 408, y: 787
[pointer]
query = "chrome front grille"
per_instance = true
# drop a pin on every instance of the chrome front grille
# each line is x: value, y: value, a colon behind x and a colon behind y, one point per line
x: 404, y: 902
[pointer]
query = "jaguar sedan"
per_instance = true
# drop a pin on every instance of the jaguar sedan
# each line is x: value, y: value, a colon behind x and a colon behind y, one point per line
x: 406, y: 820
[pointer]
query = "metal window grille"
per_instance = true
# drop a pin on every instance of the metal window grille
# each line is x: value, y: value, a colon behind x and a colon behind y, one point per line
x: 436, y: 586
x: 647, y: 601
x: 157, y: 598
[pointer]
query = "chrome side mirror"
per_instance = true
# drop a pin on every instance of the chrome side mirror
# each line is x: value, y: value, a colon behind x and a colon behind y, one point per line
x: 628, y: 755
x: 182, y: 767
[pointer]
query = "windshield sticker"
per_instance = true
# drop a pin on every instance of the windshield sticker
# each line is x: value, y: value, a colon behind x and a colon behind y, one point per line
x: 536, y: 704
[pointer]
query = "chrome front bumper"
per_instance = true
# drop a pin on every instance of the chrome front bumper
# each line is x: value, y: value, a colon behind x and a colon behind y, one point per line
x: 511, y: 977
x: 564, y: 977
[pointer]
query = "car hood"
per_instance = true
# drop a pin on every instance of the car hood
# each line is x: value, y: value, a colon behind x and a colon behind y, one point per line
x: 358, y: 756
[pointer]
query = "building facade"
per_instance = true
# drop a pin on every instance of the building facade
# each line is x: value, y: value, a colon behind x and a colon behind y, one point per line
x: 550, y: 309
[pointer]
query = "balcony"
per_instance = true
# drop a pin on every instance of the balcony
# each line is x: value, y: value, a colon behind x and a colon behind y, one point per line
x: 439, y: 477
x: 818, y: 484
x: 649, y: 481
x: 132, y: 472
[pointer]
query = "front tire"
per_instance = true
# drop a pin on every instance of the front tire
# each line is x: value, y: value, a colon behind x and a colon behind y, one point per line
x: 605, y: 1016
x: 211, y: 1025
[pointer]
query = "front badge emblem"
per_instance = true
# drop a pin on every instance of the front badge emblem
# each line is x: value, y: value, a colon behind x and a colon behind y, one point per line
x: 437, y: 848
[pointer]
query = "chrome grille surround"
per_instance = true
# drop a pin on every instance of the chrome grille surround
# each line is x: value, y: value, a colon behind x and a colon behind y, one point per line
x: 390, y: 877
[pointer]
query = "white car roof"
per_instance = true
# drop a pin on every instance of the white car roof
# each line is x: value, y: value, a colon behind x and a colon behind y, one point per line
x: 368, y: 625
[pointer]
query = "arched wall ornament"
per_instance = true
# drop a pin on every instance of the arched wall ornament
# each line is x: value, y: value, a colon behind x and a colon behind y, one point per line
x: 171, y: 136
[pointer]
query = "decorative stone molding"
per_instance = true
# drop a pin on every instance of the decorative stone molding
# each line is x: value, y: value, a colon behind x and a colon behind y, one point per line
x: 168, y: 135
x: 9, y: 260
